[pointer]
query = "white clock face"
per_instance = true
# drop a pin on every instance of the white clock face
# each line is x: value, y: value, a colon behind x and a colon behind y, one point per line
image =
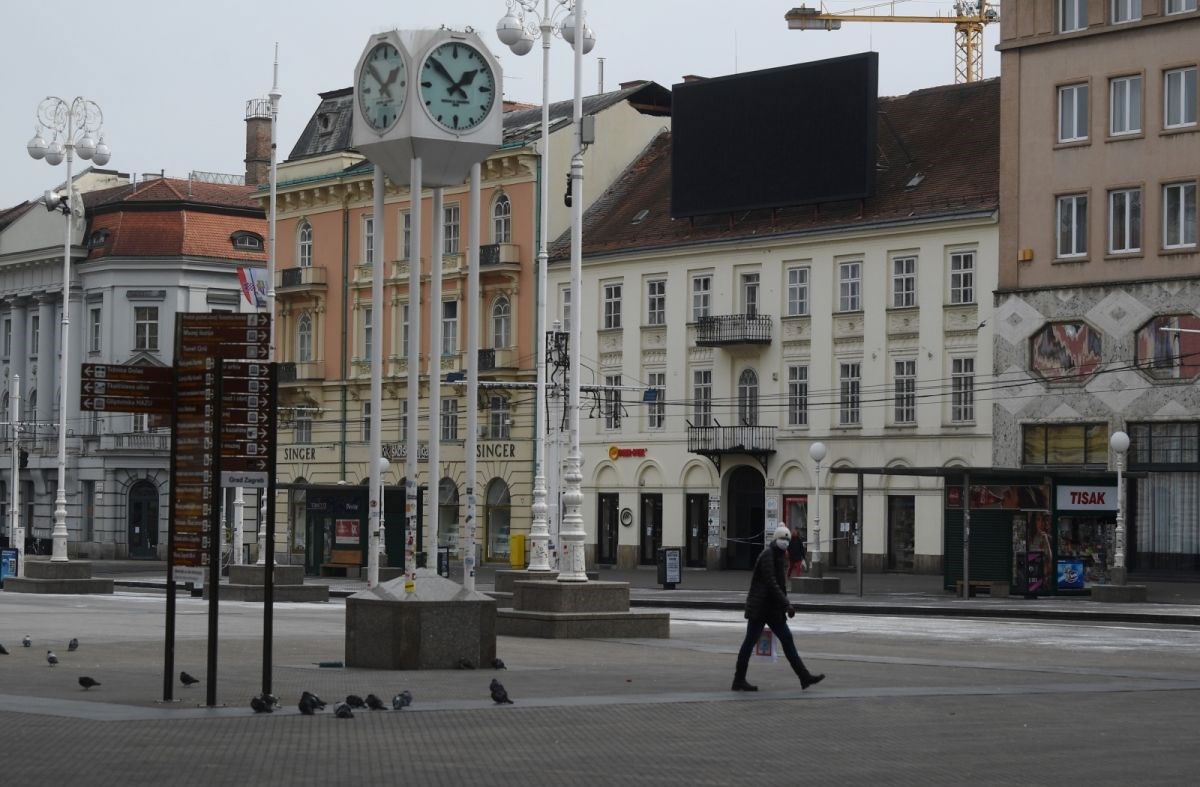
x: 458, y: 87
x: 382, y: 86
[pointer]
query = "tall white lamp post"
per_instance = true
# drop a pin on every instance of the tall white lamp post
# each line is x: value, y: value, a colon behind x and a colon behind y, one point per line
x: 516, y: 30
x: 1119, y: 442
x: 73, y: 128
x: 817, y: 452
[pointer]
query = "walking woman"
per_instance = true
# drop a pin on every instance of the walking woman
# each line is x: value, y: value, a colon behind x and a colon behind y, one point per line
x: 766, y: 605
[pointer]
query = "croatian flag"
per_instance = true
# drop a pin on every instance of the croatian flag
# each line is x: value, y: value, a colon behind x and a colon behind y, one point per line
x: 254, y: 285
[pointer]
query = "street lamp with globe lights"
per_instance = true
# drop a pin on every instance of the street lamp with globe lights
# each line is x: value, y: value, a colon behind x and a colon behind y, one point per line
x: 73, y: 127
x: 817, y: 452
x: 1119, y: 442
x: 517, y: 30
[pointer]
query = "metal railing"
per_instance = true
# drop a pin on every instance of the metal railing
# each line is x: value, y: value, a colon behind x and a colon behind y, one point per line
x: 731, y: 439
x: 721, y: 329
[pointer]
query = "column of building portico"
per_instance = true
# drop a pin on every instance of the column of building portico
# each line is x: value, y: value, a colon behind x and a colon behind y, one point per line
x: 19, y: 360
x: 47, y: 362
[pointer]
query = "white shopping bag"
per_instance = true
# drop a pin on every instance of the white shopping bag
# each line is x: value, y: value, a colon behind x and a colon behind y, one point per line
x: 766, y: 649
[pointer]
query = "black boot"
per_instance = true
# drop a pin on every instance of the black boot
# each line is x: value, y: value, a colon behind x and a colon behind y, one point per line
x: 809, y: 679
x: 741, y: 684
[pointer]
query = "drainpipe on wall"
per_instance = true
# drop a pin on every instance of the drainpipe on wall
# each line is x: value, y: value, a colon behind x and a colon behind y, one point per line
x: 345, y: 319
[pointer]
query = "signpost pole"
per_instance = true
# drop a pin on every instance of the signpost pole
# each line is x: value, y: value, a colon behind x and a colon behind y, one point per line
x: 269, y: 575
x: 169, y: 648
x: 214, y: 539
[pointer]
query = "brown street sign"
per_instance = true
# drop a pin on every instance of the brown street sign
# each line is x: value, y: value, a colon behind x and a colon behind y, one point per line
x: 219, y: 347
x: 225, y: 320
x: 125, y: 404
x: 110, y: 372
x: 232, y: 386
x: 155, y: 388
x: 243, y: 463
x: 251, y: 369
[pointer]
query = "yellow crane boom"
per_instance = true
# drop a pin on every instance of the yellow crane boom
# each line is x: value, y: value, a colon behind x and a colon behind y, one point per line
x: 968, y: 19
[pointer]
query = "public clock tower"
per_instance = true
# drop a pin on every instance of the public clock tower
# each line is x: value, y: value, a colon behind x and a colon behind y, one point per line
x: 428, y: 94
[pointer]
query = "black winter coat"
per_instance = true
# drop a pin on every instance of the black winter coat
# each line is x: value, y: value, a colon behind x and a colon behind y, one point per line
x: 767, y: 597
x: 796, y: 549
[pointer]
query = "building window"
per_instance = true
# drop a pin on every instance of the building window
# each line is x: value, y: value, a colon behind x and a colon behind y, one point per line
x: 402, y: 349
x: 750, y: 294
x: 612, y: 306
x: 1179, y: 215
x: 35, y: 334
x: 1125, y: 105
x: 1072, y: 225
x: 1065, y: 444
x: 962, y: 277
x: 449, y: 419
x: 1124, y: 220
x: 449, y: 327
x: 498, y: 418
x: 403, y: 419
x: 797, y: 291
x: 304, y: 242
x: 1164, y: 443
x: 850, y: 286
x: 1072, y: 15
x: 656, y: 416
x: 962, y: 387
x: 247, y: 241
x: 368, y: 240
x: 502, y: 220
x: 701, y: 296
x: 451, y: 225
x: 904, y: 282
x: 368, y: 335
x: 304, y: 425
x: 141, y: 423
x: 366, y: 422
x: 304, y: 338
x: 797, y: 396
x: 501, y: 320
x: 612, y: 401
x: 1179, y: 6
x: 748, y: 398
x: 656, y: 302
x: 405, y: 235
x: 1179, y: 98
x: 145, y: 328
x: 1126, y: 11
x: 566, y: 310
x: 905, y: 411
x: 1072, y: 113
x: 94, y: 330
x: 850, y: 378
x: 702, y: 397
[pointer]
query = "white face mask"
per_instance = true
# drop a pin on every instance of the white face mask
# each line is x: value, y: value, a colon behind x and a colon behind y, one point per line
x: 782, y: 543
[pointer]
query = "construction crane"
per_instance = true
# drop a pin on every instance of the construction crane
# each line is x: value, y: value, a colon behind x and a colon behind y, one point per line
x: 968, y: 19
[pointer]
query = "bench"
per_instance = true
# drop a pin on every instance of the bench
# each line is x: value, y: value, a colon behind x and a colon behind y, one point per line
x: 343, y: 562
x: 993, y: 588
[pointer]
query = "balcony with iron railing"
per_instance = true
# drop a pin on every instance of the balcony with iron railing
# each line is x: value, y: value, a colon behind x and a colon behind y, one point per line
x: 293, y: 279
x: 493, y: 359
x: 732, y: 329
x: 718, y: 441
x: 495, y: 256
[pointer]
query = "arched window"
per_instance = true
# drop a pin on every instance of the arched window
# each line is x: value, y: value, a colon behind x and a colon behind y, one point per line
x: 304, y: 241
x: 304, y: 338
x: 748, y: 398
x: 497, y: 520
x: 501, y: 322
x: 502, y: 220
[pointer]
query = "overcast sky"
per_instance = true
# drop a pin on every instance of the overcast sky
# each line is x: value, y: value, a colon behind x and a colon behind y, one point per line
x: 173, y: 78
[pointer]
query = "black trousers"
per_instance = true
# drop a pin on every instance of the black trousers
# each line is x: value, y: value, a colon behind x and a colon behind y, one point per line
x: 783, y: 634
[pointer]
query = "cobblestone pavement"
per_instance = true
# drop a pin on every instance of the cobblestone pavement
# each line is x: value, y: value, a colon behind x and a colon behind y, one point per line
x: 907, y: 701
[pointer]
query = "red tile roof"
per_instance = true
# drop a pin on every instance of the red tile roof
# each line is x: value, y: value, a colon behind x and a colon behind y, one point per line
x: 949, y: 134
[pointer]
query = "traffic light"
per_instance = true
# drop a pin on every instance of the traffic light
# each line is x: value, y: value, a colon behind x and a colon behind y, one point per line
x: 567, y: 194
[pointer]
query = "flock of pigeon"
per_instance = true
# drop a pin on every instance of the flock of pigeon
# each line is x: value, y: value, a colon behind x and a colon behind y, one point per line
x: 309, y: 703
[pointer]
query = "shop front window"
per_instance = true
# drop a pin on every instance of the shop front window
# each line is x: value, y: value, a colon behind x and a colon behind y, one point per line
x: 499, y: 518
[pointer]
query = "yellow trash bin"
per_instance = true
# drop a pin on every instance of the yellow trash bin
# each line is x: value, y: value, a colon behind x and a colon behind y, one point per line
x: 516, y: 550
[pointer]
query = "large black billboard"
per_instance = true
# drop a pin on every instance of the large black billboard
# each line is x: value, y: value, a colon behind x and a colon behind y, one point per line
x: 782, y: 136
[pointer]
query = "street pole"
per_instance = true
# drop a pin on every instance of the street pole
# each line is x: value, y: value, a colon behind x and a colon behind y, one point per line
x: 817, y: 452
x: 413, y: 372
x: 16, y: 535
x: 433, y: 476
x: 267, y: 529
x: 468, y: 550
x: 1119, y: 442
x: 375, y: 359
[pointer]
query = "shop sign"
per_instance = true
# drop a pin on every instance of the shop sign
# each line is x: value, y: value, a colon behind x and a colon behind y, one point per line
x: 1087, y: 498
x: 616, y: 452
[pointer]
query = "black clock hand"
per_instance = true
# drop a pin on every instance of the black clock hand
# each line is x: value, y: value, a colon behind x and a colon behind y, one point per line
x: 374, y: 73
x: 441, y: 69
x: 467, y: 78
x: 384, y: 83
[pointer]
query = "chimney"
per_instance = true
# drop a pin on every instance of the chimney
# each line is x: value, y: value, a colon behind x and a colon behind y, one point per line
x: 258, y: 141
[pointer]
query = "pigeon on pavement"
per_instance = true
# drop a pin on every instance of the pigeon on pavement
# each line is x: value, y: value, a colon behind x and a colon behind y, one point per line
x: 51, y: 659
x: 87, y: 682
x: 499, y: 695
x: 355, y: 701
x: 464, y: 664
x: 271, y: 700
x: 402, y: 700
x: 497, y: 663
x: 27, y: 642
x: 260, y: 706
x: 3, y: 650
x: 314, y: 700
x: 73, y: 645
x: 187, y: 680
x: 374, y: 703
x: 342, y: 711
x: 306, y: 705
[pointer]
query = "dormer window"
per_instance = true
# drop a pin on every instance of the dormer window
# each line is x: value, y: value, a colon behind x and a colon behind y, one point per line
x: 247, y: 241
x: 97, y: 239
